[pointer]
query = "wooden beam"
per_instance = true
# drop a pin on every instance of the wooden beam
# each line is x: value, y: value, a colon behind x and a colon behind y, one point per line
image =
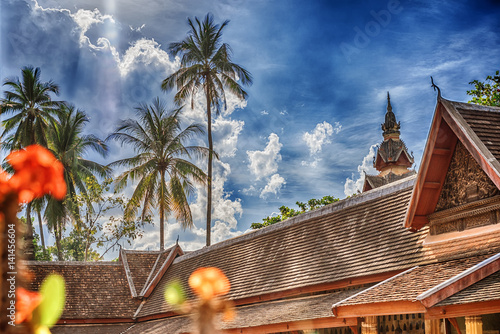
x: 454, y: 323
x: 432, y: 185
x: 171, y: 257
x: 441, y: 151
x: 377, y: 309
x: 462, y: 310
x: 295, y: 326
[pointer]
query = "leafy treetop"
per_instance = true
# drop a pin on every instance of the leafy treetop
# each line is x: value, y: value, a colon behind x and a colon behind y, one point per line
x: 487, y: 92
x: 286, y: 212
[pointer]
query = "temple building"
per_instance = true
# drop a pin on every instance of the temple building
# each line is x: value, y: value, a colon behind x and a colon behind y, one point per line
x: 413, y: 253
x: 392, y: 159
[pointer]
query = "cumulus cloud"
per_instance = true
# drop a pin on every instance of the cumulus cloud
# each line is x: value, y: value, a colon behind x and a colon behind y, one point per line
x: 320, y: 136
x: 226, y: 133
x: 273, y: 186
x: 149, y: 53
x: 353, y: 185
x: 264, y: 163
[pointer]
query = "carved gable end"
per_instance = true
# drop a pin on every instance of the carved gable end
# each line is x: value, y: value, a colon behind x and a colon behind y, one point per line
x: 465, y: 181
x: 468, y: 199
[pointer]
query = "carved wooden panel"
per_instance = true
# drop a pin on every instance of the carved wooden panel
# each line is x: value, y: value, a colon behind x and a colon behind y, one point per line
x: 465, y: 181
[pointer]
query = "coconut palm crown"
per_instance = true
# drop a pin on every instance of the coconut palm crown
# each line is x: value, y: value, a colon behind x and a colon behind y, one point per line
x: 165, y: 178
x: 206, y: 66
x: 69, y: 145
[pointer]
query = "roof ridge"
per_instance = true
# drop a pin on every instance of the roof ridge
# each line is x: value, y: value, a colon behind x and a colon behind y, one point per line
x: 473, y: 106
x: 73, y: 263
x: 358, y: 199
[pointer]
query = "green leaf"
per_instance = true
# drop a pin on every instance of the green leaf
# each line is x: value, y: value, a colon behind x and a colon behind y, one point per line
x: 53, y: 293
x: 174, y: 293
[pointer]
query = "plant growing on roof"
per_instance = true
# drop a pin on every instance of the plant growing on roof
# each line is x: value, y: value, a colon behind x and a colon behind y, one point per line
x: 165, y: 178
x: 206, y: 66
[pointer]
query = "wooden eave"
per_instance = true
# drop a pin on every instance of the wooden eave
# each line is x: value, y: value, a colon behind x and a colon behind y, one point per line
x: 329, y: 322
x: 376, y: 309
x: 448, y: 126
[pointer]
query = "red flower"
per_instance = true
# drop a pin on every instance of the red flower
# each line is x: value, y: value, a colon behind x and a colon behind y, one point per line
x: 26, y: 302
x: 209, y: 282
x: 37, y: 172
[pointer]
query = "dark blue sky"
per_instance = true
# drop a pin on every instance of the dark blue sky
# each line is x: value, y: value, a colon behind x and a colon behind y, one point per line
x: 321, y: 72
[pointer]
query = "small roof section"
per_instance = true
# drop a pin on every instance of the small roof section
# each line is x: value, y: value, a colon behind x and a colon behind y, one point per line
x: 421, y: 287
x: 478, y: 129
x: 142, y: 267
x: 95, y: 290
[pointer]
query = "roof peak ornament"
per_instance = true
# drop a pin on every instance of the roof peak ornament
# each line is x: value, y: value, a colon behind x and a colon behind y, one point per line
x: 390, y: 125
x: 433, y: 85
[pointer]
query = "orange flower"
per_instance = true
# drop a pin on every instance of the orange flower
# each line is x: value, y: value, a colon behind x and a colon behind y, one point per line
x: 5, y: 187
x: 209, y: 282
x: 26, y: 302
x: 37, y: 172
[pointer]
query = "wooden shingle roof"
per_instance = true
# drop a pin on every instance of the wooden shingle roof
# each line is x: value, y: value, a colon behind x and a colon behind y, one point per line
x: 94, y: 290
x: 357, y: 237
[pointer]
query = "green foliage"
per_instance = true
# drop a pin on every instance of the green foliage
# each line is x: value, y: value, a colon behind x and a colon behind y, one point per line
x: 487, y: 92
x: 286, y: 212
x: 162, y: 166
x: 91, y: 228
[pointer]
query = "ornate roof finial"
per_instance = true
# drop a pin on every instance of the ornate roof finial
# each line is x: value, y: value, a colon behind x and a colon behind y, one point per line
x: 390, y: 125
x: 436, y: 88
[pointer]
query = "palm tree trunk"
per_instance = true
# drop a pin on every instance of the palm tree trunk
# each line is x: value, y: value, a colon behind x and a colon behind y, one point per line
x: 209, y: 181
x: 162, y: 194
x: 29, y: 249
x: 58, y: 241
x: 40, y: 225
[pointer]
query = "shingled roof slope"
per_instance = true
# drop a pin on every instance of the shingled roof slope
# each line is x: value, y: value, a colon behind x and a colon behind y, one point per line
x: 351, y: 238
x: 485, y: 122
x: 257, y: 315
x: 140, y: 264
x: 94, y: 290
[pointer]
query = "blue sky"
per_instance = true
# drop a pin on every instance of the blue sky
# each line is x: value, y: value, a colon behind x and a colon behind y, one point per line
x: 321, y: 72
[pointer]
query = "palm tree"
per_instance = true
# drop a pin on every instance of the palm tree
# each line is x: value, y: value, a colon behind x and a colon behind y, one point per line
x: 30, y: 106
x: 206, y: 65
x: 69, y: 146
x: 165, y: 177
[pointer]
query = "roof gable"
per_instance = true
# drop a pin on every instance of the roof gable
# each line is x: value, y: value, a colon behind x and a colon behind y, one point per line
x: 448, y: 127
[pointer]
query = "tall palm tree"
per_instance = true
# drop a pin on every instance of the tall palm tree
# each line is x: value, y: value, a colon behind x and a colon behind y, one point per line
x: 30, y: 107
x: 69, y: 145
x: 206, y: 65
x: 165, y: 176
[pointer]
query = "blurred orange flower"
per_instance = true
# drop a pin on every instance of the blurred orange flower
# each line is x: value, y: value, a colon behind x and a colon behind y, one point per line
x: 26, y: 302
x: 209, y: 282
x: 4, y: 184
x: 37, y: 172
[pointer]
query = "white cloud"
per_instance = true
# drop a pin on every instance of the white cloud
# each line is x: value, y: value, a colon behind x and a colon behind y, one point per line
x: 264, y: 163
x: 320, y: 136
x: 353, y: 186
x: 226, y: 133
x: 147, y: 52
x: 263, y: 112
x: 273, y: 186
